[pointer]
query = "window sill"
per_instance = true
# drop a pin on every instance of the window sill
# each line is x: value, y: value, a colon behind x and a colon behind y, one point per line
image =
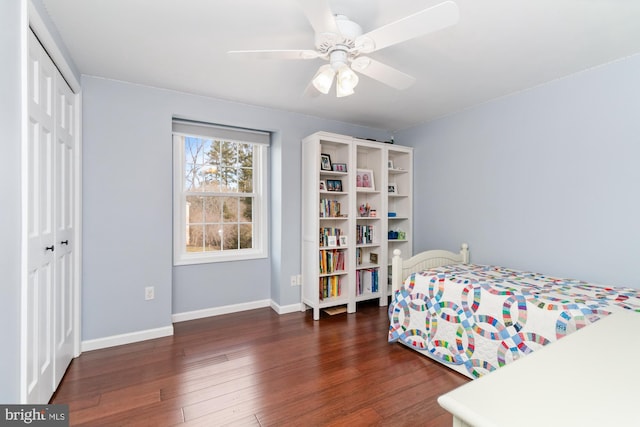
x: 192, y: 259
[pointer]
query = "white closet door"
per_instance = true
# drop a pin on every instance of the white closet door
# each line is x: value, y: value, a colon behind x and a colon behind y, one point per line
x: 64, y: 286
x: 48, y: 311
x: 38, y: 301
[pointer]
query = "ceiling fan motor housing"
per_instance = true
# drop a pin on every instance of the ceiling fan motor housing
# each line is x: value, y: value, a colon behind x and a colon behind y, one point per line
x: 345, y: 40
x: 338, y: 58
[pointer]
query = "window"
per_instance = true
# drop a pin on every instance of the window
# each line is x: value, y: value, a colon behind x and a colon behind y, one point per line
x: 220, y: 197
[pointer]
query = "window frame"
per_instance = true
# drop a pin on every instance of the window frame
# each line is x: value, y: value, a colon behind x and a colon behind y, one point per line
x: 260, y: 207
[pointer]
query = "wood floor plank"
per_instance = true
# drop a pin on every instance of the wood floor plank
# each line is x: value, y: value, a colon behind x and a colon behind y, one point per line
x: 270, y: 396
x: 361, y: 417
x: 258, y: 368
x: 331, y: 405
x: 215, y: 420
x: 153, y: 415
x: 115, y: 403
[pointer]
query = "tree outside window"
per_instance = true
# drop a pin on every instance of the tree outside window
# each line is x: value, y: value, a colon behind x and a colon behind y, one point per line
x: 220, y: 198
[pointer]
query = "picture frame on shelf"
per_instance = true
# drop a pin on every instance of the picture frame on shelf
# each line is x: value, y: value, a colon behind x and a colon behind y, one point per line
x: 332, y: 241
x: 392, y: 188
x: 334, y: 184
x: 325, y: 162
x: 323, y: 185
x: 342, y: 240
x: 365, y: 180
x: 339, y: 167
x: 390, y: 164
x: 373, y: 258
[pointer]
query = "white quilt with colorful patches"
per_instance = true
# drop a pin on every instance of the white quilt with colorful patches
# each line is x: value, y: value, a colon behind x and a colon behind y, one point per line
x: 477, y: 318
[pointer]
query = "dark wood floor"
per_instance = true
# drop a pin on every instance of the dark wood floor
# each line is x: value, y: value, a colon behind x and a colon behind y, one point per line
x: 258, y: 368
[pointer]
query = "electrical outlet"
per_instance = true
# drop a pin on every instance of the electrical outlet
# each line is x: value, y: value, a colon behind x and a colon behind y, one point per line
x: 149, y: 293
x: 299, y: 279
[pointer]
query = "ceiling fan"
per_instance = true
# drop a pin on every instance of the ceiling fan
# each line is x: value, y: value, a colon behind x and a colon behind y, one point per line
x: 341, y: 42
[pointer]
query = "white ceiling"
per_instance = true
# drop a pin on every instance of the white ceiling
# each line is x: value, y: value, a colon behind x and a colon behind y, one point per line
x: 497, y: 48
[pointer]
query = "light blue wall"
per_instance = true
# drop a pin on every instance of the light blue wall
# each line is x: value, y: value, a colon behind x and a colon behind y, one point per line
x: 127, y: 208
x: 546, y: 180
x: 11, y: 28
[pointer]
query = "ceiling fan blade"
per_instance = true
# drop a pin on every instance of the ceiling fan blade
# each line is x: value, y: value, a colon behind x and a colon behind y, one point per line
x: 426, y: 21
x: 320, y: 16
x: 382, y: 72
x: 277, y: 54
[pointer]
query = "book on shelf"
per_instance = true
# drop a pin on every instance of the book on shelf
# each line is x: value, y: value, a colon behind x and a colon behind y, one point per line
x: 329, y: 208
x: 330, y: 287
x: 364, y: 234
x: 367, y: 281
x: 331, y: 236
x: 331, y: 261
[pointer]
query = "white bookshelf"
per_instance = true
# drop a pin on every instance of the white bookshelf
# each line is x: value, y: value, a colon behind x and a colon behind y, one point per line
x: 399, y: 202
x: 362, y: 194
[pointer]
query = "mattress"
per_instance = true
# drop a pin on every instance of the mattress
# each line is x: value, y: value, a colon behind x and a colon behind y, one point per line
x: 477, y: 318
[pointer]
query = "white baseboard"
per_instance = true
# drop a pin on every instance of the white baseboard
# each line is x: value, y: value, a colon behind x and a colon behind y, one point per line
x: 149, y: 334
x: 217, y: 311
x: 129, y: 338
x: 284, y: 309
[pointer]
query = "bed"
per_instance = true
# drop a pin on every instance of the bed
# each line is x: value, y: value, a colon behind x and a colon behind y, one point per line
x: 477, y: 318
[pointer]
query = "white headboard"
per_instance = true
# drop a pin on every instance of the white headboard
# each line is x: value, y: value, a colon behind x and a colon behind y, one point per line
x: 401, y: 269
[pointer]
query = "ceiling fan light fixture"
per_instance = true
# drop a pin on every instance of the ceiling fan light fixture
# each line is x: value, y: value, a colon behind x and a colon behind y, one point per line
x: 346, y: 81
x: 341, y: 92
x: 323, y: 80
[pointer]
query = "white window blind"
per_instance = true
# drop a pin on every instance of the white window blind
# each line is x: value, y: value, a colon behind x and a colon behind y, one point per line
x: 188, y: 127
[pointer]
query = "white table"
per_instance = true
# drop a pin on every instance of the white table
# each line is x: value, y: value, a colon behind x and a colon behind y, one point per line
x: 588, y: 378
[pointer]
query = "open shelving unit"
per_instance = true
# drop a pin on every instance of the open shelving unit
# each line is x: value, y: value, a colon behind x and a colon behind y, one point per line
x: 346, y: 244
x: 399, y: 203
